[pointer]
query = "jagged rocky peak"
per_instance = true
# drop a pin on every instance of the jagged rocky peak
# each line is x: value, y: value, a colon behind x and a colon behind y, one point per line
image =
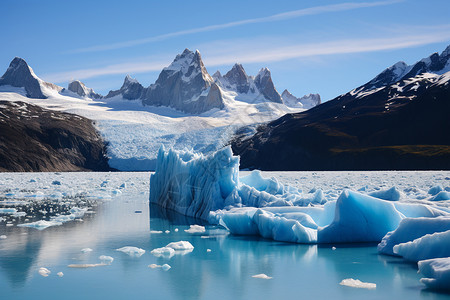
x: 19, y: 74
x: 217, y: 75
x: 189, y: 64
x: 80, y: 88
x: 237, y: 79
x: 307, y: 101
x: 185, y: 85
x: 131, y: 89
x: 264, y: 83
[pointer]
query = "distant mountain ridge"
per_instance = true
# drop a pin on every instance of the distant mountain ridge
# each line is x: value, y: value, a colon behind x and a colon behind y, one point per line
x: 400, y: 126
x: 184, y: 85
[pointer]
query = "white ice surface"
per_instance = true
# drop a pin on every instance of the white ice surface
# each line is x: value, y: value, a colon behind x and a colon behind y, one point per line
x: 436, y: 272
x: 135, y: 132
x: 356, y: 283
x: 132, y: 251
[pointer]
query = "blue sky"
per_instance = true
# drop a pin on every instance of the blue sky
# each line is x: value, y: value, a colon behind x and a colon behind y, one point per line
x: 326, y: 47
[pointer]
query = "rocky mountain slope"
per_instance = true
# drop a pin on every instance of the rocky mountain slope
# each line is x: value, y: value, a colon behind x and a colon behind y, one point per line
x: 41, y: 140
x: 403, y: 125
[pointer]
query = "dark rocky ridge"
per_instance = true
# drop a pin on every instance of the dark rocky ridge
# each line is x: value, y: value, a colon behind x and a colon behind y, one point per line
x: 40, y: 140
x: 403, y: 126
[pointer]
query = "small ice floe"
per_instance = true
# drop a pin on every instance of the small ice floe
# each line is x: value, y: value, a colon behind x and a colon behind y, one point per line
x: 132, y: 251
x: 195, y: 229
x: 165, y: 267
x: 8, y: 211
x: 41, y: 224
x: 167, y: 231
x: 355, y: 283
x: 83, y: 266
x: 333, y: 248
x: 208, y: 250
x: 436, y: 273
x: 262, y: 276
x: 60, y: 274
x: 44, y: 272
x: 176, y: 230
x: 163, y: 252
x: 155, y: 231
x: 181, y: 247
x: 86, y: 250
x: 2, y: 237
x: 106, y: 259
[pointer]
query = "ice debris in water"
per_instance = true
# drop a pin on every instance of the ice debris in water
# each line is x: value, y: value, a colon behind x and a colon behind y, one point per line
x: 181, y: 247
x: 434, y: 245
x: 60, y: 274
x: 156, y: 231
x: 86, y: 250
x: 132, y: 251
x: 209, y: 187
x: 195, y: 229
x: 165, y: 267
x: 261, y: 276
x: 74, y: 213
x: 436, y: 272
x: 2, y: 237
x: 44, y: 272
x: 356, y: 283
x: 106, y: 259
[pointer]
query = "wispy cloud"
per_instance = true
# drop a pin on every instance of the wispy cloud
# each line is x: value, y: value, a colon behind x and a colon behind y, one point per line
x: 273, y: 18
x: 218, y: 54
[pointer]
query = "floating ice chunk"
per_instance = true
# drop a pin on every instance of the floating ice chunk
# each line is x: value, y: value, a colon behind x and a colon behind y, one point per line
x: 2, y: 219
x: 41, y: 224
x: 181, y: 245
x: 356, y: 283
x: 176, y: 230
x: 86, y: 250
x: 167, y: 231
x: 163, y: 252
x: 44, y: 272
x: 436, y: 272
x: 360, y: 218
x: 442, y: 195
x: 83, y: 266
x: 156, y: 231
x: 2, y: 237
x: 195, y: 229
x: 429, y: 246
x: 106, y: 259
x: 60, y: 274
x: 8, y: 211
x: 208, y: 250
x: 132, y: 251
x: 165, y: 267
x: 19, y: 214
x: 410, y: 229
x: 262, y: 276
x: 392, y: 194
x: 333, y: 248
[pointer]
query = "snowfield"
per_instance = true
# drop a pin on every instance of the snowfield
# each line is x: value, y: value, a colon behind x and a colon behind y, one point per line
x: 135, y: 133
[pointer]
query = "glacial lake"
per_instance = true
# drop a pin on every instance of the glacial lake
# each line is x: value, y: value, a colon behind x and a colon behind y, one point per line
x: 221, y: 266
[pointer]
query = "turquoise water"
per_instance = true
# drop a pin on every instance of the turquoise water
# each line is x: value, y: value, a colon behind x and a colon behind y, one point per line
x: 298, y: 271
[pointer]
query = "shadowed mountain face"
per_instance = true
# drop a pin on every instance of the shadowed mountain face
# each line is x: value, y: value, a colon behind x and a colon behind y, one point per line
x: 401, y: 126
x: 35, y: 139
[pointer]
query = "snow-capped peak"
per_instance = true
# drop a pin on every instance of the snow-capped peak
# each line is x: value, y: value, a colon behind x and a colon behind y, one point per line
x: 129, y: 79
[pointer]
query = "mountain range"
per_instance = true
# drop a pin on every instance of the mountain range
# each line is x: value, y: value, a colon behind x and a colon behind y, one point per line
x: 398, y: 120
x: 184, y: 85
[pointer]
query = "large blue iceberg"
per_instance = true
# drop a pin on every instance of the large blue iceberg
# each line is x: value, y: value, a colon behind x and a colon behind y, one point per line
x: 209, y: 188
